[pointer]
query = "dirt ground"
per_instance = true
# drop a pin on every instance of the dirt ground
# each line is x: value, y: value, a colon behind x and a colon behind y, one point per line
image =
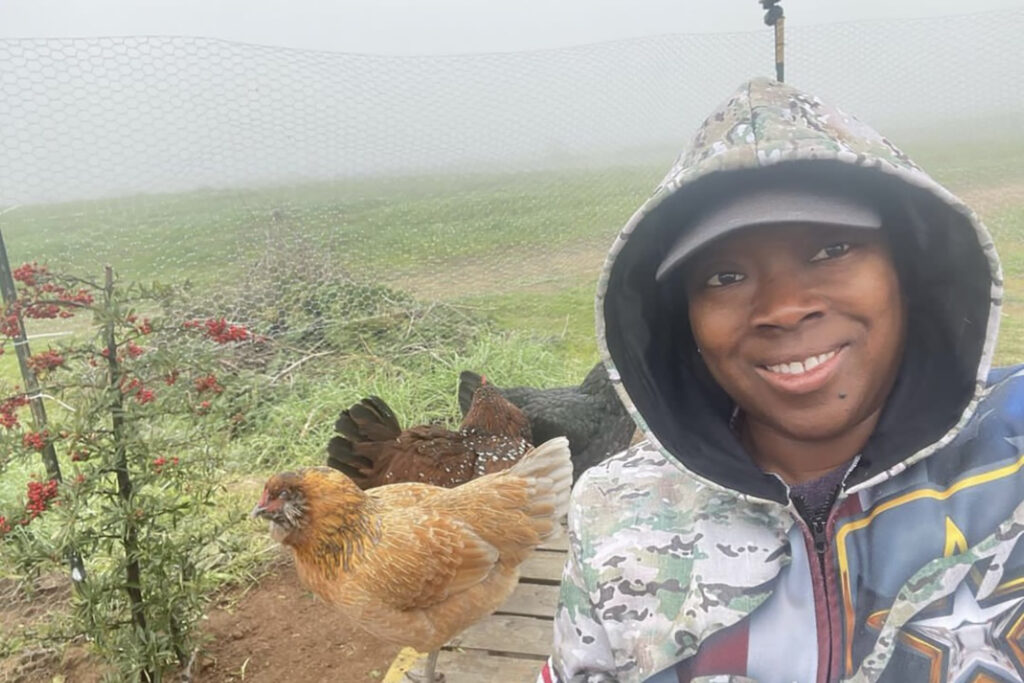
x: 279, y: 632
x: 273, y: 631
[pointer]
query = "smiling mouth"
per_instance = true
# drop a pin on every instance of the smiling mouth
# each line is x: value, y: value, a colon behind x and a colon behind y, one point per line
x: 799, y: 367
x: 803, y: 376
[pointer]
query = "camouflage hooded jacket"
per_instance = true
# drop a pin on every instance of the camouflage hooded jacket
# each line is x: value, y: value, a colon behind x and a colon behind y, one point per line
x: 687, y: 562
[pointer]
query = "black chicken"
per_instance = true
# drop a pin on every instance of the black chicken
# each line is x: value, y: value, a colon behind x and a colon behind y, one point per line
x: 590, y: 415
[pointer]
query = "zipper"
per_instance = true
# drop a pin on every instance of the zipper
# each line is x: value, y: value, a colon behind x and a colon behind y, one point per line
x: 819, y: 536
x: 816, y: 539
x: 817, y: 531
x: 820, y: 542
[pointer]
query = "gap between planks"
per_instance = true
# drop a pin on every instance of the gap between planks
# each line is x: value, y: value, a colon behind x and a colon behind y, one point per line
x: 543, y: 566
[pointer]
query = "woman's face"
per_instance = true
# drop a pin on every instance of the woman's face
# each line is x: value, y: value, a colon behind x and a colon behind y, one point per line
x: 802, y: 325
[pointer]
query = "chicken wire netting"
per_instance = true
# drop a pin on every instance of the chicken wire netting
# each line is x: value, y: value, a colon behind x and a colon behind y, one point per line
x: 336, y: 200
x: 363, y: 225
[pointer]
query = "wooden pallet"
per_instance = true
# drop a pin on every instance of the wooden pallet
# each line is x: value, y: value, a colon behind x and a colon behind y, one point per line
x: 512, y: 644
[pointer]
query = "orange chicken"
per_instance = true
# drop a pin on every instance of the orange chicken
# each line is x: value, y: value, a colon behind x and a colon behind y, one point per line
x: 416, y: 564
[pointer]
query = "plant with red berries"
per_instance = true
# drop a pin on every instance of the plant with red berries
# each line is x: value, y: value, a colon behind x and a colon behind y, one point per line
x: 39, y: 496
x: 137, y: 411
x: 47, y: 360
x: 220, y: 330
x: 35, y: 440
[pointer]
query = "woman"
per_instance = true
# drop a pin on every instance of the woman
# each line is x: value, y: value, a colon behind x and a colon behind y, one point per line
x: 802, y: 322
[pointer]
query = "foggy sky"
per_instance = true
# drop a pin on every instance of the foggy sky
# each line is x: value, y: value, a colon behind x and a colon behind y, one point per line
x: 92, y: 117
x: 440, y: 26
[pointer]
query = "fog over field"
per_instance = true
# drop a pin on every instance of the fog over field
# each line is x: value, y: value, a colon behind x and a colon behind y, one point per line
x: 91, y: 116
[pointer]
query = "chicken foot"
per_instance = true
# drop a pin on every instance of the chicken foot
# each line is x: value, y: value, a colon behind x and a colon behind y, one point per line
x: 428, y: 675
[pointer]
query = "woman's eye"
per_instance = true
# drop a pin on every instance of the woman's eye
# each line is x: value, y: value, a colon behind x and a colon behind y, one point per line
x: 723, y: 279
x: 832, y: 251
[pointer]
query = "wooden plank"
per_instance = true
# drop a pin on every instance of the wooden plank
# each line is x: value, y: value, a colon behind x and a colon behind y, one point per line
x: 543, y: 566
x: 474, y: 667
x: 508, y: 634
x: 510, y: 645
x: 532, y: 599
x: 560, y: 543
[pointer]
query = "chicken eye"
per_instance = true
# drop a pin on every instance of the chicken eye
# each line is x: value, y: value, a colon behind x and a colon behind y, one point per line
x: 724, y: 278
x: 283, y: 495
x: 831, y: 251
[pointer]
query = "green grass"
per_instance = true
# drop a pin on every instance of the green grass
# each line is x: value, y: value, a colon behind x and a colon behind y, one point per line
x: 526, y: 243
x: 565, y: 316
x: 464, y: 239
x: 367, y: 228
x: 1007, y: 228
x: 419, y: 388
x: 965, y: 165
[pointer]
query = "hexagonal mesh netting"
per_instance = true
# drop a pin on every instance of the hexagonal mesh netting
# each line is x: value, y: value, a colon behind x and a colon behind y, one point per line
x: 360, y: 225
x: 306, y: 193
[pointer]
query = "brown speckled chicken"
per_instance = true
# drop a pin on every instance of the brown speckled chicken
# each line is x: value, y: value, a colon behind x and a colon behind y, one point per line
x: 415, y: 564
x: 372, y: 449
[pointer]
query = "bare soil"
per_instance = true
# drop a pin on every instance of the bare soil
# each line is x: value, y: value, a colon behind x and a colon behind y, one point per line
x: 272, y: 631
x: 277, y: 631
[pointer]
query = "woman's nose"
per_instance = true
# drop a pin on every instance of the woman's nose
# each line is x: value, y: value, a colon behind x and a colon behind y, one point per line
x: 784, y: 301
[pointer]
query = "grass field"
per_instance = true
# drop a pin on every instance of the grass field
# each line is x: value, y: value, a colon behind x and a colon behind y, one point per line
x: 521, y: 251
x: 524, y: 246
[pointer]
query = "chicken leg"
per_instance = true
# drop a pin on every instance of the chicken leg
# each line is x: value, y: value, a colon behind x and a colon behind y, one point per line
x: 428, y: 675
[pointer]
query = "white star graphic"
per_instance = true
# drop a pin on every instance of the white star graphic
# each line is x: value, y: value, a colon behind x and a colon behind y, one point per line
x: 968, y: 634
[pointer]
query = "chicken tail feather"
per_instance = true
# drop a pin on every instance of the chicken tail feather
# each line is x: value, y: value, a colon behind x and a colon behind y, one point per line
x: 548, y: 468
x: 342, y: 457
x: 369, y: 420
x: 352, y: 451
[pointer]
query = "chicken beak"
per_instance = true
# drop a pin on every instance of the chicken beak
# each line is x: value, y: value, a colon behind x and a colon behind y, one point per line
x: 260, y: 508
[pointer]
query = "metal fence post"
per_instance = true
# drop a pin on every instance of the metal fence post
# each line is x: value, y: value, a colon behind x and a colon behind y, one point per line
x: 774, y: 16
x: 21, y: 350
x: 49, y: 453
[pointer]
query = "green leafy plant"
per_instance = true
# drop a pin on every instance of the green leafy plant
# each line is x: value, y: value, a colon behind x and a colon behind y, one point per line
x: 145, y: 413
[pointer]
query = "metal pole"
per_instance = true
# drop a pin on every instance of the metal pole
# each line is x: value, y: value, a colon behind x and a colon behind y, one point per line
x: 780, y: 44
x: 21, y: 350
x: 49, y: 453
x: 775, y: 17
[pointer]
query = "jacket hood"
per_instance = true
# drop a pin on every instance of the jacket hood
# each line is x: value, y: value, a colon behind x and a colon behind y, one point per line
x: 946, y: 260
